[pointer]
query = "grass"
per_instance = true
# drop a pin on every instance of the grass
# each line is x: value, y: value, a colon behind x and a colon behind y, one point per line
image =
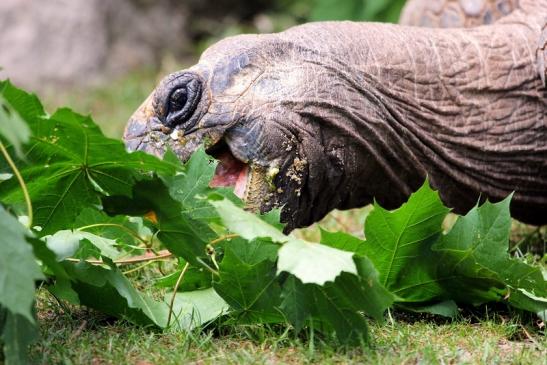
x: 73, y: 335
x: 83, y: 337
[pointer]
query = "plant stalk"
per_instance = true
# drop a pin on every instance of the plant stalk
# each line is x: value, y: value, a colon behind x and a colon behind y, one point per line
x: 177, y: 284
x: 17, y: 173
x: 127, y: 229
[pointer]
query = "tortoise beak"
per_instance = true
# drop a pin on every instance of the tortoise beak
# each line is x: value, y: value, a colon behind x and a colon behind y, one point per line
x: 138, y: 126
x: 145, y: 132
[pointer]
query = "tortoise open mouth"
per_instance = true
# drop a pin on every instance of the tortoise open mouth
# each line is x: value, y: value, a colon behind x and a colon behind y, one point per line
x: 230, y: 171
x: 249, y: 180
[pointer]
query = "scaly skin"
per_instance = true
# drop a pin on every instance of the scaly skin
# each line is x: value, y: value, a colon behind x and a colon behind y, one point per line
x: 350, y: 112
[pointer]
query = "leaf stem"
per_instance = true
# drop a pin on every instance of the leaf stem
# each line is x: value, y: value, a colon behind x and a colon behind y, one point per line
x: 21, y: 182
x: 162, y: 255
x: 127, y: 229
x: 139, y: 267
x: 177, y: 284
x: 207, y: 267
x: 222, y: 238
x: 391, y: 320
x: 211, y: 250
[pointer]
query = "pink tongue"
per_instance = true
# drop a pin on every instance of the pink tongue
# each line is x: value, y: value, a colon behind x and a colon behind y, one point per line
x: 230, y: 172
x: 241, y: 183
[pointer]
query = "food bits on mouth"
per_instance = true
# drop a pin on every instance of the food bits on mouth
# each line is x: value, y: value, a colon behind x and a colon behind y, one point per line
x: 175, y: 135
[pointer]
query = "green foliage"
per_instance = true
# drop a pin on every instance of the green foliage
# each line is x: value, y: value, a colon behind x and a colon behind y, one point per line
x: 370, y: 10
x: 12, y: 127
x: 17, y: 333
x: 68, y: 162
x: 18, y: 271
x: 249, y: 285
x: 19, y: 268
x: 98, y: 207
x: 181, y: 234
x: 325, y: 284
x: 397, y: 240
x: 476, y: 250
x: 109, y: 291
x: 192, y: 309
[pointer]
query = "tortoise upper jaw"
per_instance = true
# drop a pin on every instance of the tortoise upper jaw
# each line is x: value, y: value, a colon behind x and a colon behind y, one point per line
x: 139, y: 125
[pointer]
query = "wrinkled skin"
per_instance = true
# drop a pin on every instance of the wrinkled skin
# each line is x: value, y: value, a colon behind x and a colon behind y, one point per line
x: 336, y: 114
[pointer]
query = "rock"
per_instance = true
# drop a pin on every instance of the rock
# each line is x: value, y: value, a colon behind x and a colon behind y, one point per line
x: 45, y: 44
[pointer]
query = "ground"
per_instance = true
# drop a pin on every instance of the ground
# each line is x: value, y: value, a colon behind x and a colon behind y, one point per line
x: 79, y: 336
x: 482, y: 336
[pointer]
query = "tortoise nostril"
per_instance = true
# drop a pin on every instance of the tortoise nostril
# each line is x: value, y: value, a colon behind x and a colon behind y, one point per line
x: 182, y: 101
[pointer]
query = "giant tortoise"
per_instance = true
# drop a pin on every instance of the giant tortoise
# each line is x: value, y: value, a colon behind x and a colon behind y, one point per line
x: 335, y: 114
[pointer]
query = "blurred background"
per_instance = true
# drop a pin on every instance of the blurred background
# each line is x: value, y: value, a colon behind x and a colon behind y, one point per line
x: 103, y: 57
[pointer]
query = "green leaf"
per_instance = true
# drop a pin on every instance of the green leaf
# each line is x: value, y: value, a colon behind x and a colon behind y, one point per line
x: 420, y: 280
x: 325, y: 284
x: 18, y: 268
x: 447, y: 308
x: 196, y: 278
x: 371, y: 297
x: 294, y: 302
x: 332, y: 306
x: 62, y: 288
x: 27, y: 105
x: 398, y: 240
x: 108, y: 291
x: 255, y: 251
x: 245, y: 224
x: 313, y: 262
x: 310, y: 262
x: 122, y: 229
x: 475, y: 250
x: 71, y: 164
x: 250, y: 287
x: 181, y: 235
x: 339, y: 305
x: 191, y: 187
x: 195, y: 308
x: 520, y: 298
x: 273, y: 218
x: 343, y: 241
x: 12, y: 127
x: 16, y: 333
x: 66, y: 243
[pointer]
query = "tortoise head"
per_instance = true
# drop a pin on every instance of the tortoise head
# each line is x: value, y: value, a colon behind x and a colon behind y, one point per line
x: 255, y: 102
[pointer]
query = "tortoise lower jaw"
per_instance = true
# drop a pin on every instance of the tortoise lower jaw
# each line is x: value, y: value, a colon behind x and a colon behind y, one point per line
x: 258, y: 196
x: 248, y: 179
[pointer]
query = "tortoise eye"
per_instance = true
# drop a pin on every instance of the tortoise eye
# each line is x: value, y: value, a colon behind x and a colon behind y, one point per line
x: 182, y: 101
x: 178, y: 100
